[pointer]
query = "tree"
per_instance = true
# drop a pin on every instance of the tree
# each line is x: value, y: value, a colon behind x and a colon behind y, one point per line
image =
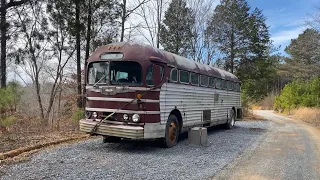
x: 202, y: 51
x: 243, y: 40
x: 227, y: 28
x: 305, y: 54
x: 34, y: 55
x: 4, y: 27
x: 176, y: 31
x: 151, y: 13
x: 127, y: 12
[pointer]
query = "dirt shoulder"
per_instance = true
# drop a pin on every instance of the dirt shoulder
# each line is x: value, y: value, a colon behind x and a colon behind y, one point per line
x: 12, y: 141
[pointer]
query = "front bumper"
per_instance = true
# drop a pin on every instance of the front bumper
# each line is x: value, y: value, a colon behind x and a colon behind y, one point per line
x: 125, y: 131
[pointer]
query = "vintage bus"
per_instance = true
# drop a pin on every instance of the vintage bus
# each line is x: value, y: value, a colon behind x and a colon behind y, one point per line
x: 139, y: 92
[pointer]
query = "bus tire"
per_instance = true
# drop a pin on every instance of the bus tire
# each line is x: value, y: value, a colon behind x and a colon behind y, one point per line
x: 231, y: 122
x: 110, y: 139
x: 171, y: 132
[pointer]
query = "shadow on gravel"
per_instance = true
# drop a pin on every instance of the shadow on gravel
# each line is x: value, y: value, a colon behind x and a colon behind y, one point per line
x: 137, y: 146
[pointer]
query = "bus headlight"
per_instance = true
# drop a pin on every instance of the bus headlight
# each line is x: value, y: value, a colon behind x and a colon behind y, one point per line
x: 94, y: 114
x: 136, y: 118
x: 125, y: 117
x: 88, y: 114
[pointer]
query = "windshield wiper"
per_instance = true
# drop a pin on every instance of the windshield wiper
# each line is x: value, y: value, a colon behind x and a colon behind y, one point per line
x: 95, y: 84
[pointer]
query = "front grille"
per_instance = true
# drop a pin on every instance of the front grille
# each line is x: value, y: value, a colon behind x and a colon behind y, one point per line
x: 126, y: 131
x: 112, y: 118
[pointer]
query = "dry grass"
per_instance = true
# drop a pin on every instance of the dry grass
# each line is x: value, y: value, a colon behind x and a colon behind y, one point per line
x: 250, y: 116
x: 29, y: 131
x: 309, y: 115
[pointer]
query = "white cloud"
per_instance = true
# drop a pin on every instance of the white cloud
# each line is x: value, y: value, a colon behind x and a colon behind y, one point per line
x: 284, y: 36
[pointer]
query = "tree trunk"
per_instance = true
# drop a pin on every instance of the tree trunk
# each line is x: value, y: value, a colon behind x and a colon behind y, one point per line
x: 79, y: 99
x: 159, y: 11
x: 123, y: 19
x: 39, y: 98
x: 88, y: 39
x: 232, y: 54
x: 3, y: 64
x: 88, y: 31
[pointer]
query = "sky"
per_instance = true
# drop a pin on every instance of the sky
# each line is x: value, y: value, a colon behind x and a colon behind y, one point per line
x: 286, y: 18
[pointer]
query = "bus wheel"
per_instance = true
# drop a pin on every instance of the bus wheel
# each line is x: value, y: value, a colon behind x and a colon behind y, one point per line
x: 231, y: 121
x: 110, y: 139
x: 172, y: 132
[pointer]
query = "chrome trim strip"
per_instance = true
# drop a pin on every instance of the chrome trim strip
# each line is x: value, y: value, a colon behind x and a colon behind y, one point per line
x: 122, y: 111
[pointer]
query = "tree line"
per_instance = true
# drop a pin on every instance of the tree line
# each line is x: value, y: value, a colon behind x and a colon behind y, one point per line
x: 47, y: 41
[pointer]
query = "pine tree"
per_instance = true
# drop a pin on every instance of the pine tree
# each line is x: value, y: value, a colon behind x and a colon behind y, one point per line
x: 227, y: 29
x: 176, y: 30
x: 305, y: 48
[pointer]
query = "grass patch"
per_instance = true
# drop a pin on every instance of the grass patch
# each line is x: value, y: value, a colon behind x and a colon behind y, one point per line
x: 309, y: 115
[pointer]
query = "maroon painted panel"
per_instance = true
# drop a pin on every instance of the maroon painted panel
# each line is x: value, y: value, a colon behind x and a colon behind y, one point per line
x: 115, y: 105
x: 154, y: 95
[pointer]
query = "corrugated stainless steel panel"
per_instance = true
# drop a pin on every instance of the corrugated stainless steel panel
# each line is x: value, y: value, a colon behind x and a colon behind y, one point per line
x: 134, y: 132
x: 192, y: 100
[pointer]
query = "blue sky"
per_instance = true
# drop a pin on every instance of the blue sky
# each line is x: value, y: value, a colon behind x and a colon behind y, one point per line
x: 286, y: 18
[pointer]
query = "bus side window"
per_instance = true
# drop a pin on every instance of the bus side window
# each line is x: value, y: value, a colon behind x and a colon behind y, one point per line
x: 230, y: 85
x: 204, y: 80
x: 184, y: 77
x: 235, y: 86
x: 218, y: 83
x: 149, y: 76
x: 211, y: 82
x: 194, y: 79
x: 224, y: 84
x: 174, y: 75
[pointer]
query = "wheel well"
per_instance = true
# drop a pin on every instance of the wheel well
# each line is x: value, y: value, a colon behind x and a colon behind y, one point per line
x: 234, y: 110
x: 177, y: 113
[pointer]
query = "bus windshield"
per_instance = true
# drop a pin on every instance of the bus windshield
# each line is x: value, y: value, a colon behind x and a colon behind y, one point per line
x: 125, y: 72
x: 98, y: 72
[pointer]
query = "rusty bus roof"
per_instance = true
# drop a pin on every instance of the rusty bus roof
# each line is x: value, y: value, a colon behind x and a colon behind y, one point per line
x: 142, y: 52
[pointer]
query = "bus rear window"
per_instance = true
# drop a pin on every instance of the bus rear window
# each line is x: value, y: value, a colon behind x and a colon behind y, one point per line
x: 125, y: 72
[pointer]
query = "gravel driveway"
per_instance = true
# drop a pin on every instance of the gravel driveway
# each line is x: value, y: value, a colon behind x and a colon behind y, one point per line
x: 92, y: 159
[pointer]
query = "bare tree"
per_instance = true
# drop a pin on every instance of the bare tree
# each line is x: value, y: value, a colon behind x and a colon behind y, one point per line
x: 202, y: 49
x: 126, y: 12
x: 48, y: 47
x: 35, y: 47
x: 151, y: 13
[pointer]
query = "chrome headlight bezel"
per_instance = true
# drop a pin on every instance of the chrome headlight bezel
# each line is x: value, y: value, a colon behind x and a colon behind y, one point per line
x: 88, y: 114
x: 135, y: 118
x: 95, y: 115
x: 125, y: 117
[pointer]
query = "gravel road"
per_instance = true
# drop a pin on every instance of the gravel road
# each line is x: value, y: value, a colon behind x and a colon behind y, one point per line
x: 291, y: 150
x: 92, y: 159
x: 276, y: 149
